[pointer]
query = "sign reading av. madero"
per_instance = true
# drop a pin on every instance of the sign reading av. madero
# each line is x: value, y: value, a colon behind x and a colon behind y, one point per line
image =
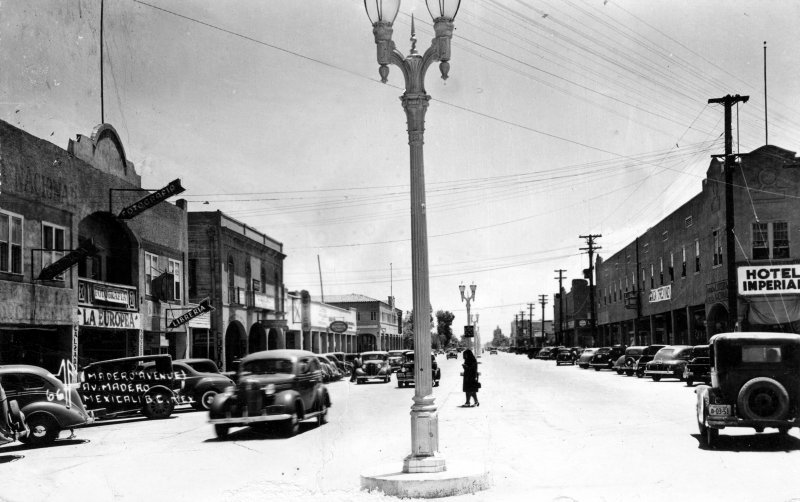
x: 201, y: 309
x: 68, y: 260
x: 151, y: 200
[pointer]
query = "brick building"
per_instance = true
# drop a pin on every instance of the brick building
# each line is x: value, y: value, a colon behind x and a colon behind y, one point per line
x: 572, y: 315
x: 671, y: 284
x: 102, y: 304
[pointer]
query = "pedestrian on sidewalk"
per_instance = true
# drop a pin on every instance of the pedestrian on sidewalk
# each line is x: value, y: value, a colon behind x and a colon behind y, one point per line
x: 471, y: 384
x: 356, y: 365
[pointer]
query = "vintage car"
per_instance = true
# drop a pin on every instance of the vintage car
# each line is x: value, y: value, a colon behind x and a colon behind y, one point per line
x: 544, y: 353
x: 343, y: 366
x: 585, y: 358
x: 12, y: 420
x: 405, y: 375
x: 273, y: 386
x: 329, y: 364
x: 755, y: 382
x: 200, y: 381
x: 698, y: 369
x: 374, y: 366
x: 49, y: 406
x: 624, y: 363
x: 492, y: 351
x: 396, y: 359
x: 565, y: 356
x: 605, y: 357
x: 668, y: 362
x: 452, y: 354
x: 648, y: 354
x: 130, y: 385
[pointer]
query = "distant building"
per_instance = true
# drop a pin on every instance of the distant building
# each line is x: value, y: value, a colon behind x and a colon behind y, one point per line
x: 671, y: 284
x: 378, y: 322
x: 572, y: 316
x: 310, y: 324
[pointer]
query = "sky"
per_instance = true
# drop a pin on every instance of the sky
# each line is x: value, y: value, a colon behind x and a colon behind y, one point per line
x: 559, y: 119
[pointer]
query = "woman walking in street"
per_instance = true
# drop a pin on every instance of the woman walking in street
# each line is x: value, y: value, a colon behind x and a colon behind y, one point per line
x: 470, y: 385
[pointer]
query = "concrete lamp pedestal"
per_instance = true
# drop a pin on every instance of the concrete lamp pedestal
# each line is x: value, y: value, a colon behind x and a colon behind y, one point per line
x: 458, y: 479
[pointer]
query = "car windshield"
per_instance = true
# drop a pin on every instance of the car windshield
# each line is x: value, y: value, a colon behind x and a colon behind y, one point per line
x: 605, y: 350
x: 664, y: 354
x: 589, y: 351
x: 373, y: 357
x: 267, y: 366
x: 204, y: 366
x: 700, y: 351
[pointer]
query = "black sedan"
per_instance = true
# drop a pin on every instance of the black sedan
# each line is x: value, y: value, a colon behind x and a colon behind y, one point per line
x: 200, y: 381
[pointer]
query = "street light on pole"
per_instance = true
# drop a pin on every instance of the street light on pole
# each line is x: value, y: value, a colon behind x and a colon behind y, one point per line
x: 424, y: 455
x: 468, y: 298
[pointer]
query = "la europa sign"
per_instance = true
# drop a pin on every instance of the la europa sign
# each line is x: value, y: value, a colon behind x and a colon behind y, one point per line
x: 769, y: 280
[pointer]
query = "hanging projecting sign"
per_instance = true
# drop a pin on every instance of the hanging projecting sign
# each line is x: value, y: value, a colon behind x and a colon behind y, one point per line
x: 661, y: 294
x: 68, y: 260
x: 769, y: 280
x: 338, y: 326
x: 151, y: 200
x: 203, y: 307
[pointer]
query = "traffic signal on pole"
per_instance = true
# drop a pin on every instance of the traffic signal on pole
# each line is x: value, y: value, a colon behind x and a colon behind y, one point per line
x: 469, y: 331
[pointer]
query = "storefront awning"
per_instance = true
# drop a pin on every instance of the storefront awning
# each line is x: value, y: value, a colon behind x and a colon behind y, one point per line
x: 773, y: 310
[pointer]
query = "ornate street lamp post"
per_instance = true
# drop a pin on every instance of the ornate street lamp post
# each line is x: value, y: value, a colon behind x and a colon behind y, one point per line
x: 468, y: 298
x: 424, y: 455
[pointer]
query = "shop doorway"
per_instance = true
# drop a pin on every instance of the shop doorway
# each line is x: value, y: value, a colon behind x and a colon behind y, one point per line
x: 235, y: 344
x: 95, y: 344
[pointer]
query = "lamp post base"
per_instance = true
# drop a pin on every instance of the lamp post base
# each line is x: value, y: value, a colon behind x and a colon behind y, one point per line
x: 431, y: 463
x: 458, y: 479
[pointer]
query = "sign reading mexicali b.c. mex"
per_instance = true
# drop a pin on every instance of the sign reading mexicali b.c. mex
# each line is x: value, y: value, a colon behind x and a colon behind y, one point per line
x: 769, y: 280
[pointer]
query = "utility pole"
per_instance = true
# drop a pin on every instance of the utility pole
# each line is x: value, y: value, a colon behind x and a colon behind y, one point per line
x: 522, y: 323
x: 530, y: 324
x: 560, y: 278
x: 543, y: 301
x: 730, y: 239
x: 591, y: 247
x: 516, y: 325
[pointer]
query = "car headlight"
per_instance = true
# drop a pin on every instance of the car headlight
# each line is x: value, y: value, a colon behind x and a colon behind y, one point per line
x: 269, y: 389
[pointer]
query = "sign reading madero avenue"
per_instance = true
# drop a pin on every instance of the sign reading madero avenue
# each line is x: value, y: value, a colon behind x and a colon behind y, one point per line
x: 151, y: 200
x: 201, y: 309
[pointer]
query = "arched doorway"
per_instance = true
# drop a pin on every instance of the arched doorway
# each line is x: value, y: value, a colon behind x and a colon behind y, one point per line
x: 235, y: 343
x: 116, y: 261
x: 717, y: 321
x: 272, y: 339
x: 257, y: 339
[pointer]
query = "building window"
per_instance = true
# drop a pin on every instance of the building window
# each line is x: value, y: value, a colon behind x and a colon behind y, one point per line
x: 263, y: 280
x: 646, y: 247
x: 231, y: 282
x: 683, y: 265
x: 671, y: 267
x: 373, y: 316
x: 697, y: 256
x: 664, y: 235
x: 53, y: 239
x: 193, y: 277
x: 652, y: 277
x: 770, y: 240
x: 688, y: 221
x: 717, y: 249
x: 248, y: 273
x: 10, y: 243
x: 661, y: 271
x: 358, y: 315
x: 644, y: 280
x: 175, y: 268
x: 150, y: 271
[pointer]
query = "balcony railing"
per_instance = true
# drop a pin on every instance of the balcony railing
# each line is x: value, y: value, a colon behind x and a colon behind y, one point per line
x: 106, y: 294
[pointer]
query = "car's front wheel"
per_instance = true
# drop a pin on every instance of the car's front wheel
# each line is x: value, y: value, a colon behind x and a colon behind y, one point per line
x: 655, y: 378
x: 203, y: 402
x: 322, y: 418
x: 158, y: 405
x: 291, y: 426
x: 222, y: 430
x: 43, y: 430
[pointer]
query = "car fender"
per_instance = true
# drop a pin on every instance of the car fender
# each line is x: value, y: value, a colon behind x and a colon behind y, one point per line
x: 322, y: 396
x: 62, y: 416
x: 290, y: 400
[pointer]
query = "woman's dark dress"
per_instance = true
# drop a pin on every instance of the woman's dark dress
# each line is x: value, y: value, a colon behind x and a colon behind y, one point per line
x: 470, y: 378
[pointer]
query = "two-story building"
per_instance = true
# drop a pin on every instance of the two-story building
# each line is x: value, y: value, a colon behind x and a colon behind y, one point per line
x: 671, y: 284
x: 91, y: 264
x: 572, y: 314
x: 378, y: 322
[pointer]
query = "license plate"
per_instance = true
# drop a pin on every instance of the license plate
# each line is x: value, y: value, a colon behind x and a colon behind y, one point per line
x: 719, y: 410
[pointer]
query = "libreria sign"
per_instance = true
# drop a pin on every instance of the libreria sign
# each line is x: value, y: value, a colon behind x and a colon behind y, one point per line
x: 769, y: 280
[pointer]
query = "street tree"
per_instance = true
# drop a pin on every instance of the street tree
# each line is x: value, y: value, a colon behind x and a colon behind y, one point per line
x: 499, y: 339
x: 444, y: 327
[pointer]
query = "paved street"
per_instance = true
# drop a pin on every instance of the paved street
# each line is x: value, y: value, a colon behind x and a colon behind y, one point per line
x: 544, y: 432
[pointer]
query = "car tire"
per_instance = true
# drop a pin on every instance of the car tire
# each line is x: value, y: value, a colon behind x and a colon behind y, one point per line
x: 597, y: 368
x: 712, y: 437
x: 763, y: 398
x: 655, y: 378
x: 43, y: 430
x: 291, y: 426
x: 221, y: 430
x: 783, y: 430
x: 159, y: 405
x: 689, y: 382
x: 204, y: 401
x: 322, y: 418
x: 639, y: 375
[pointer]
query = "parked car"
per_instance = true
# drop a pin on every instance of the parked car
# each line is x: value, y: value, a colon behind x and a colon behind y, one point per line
x: 585, y: 358
x: 452, y: 354
x: 565, y: 356
x: 396, y: 359
x: 755, y: 382
x: 329, y: 363
x: 668, y: 362
x: 200, y: 381
x: 647, y: 355
x: 130, y: 385
x: 605, y: 357
x: 374, y: 366
x: 274, y: 386
x: 47, y: 404
x: 12, y: 420
x: 544, y: 353
x: 624, y: 363
x: 344, y: 366
x: 405, y: 375
x: 698, y: 369
x: 492, y: 351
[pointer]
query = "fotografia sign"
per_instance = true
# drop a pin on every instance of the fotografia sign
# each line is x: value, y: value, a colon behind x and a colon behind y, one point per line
x: 769, y: 280
x: 68, y: 260
x: 151, y: 200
